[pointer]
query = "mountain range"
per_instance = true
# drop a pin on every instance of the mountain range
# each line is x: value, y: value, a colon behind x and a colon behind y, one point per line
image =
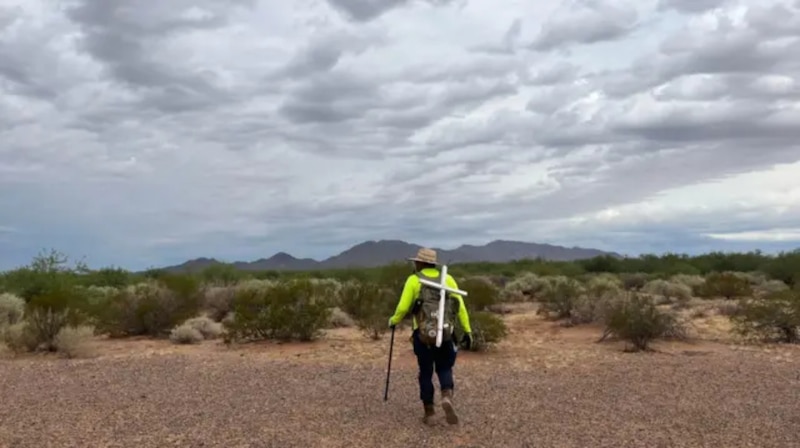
x: 380, y: 253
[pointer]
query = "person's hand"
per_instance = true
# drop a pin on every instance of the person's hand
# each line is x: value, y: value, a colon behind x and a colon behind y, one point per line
x: 391, y: 324
x: 466, y: 341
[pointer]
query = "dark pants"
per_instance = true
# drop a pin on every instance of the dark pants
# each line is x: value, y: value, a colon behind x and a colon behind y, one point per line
x: 432, y: 359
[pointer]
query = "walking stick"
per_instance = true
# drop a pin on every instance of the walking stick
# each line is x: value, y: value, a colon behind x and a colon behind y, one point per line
x: 389, y: 369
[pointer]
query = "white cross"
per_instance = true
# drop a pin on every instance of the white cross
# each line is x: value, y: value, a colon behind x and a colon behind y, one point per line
x: 443, y: 288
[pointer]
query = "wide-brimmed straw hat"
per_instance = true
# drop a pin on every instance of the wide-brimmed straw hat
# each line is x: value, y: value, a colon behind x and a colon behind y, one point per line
x: 425, y: 255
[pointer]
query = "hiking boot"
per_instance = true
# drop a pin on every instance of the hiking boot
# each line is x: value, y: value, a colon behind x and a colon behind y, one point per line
x: 430, y: 413
x: 447, y: 405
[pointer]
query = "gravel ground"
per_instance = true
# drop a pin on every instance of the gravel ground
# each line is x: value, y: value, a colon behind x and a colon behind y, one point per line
x: 245, y: 398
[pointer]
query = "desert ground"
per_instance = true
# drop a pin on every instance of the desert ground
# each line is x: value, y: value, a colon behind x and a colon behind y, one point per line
x: 546, y: 385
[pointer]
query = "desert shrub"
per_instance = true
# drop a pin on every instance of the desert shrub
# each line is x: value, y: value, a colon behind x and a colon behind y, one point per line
x: 592, y: 309
x: 525, y: 287
x: 633, y: 281
x: 207, y: 327
x: 637, y: 319
x: 773, y: 317
x: 369, y: 304
x: 19, y: 338
x: 331, y: 286
x: 770, y: 286
x: 730, y: 285
x: 12, y: 309
x: 669, y: 291
x: 255, y: 284
x: 695, y: 282
x: 46, y: 273
x: 221, y: 274
x: 559, y: 297
x: 728, y: 308
x: 45, y: 324
x: 110, y: 277
x: 218, y: 301
x: 340, y: 319
x: 74, y: 342
x: 53, y: 309
x: 294, y: 309
x: 185, y: 334
x: 487, y: 329
x: 481, y: 293
x: 602, y: 285
x: 149, y: 308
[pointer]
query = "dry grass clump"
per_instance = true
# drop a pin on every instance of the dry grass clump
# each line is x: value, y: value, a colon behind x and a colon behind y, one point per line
x: 185, y: 334
x: 69, y: 341
x: 196, y: 330
x: 340, y: 319
x: 12, y: 309
x: 206, y: 326
x: 74, y: 342
x: 19, y: 338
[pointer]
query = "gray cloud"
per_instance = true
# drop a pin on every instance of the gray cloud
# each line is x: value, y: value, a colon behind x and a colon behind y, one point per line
x: 236, y: 132
x: 586, y: 22
x: 690, y: 6
x: 366, y: 10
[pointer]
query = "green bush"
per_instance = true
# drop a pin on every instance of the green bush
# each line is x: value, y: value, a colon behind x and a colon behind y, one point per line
x: 635, y: 318
x: 294, y: 309
x: 633, y: 281
x: 559, y: 297
x: 726, y: 284
x: 487, y: 329
x: 602, y: 285
x: 369, y: 304
x: 149, y: 308
x: 525, y: 287
x: 775, y: 317
x: 481, y: 293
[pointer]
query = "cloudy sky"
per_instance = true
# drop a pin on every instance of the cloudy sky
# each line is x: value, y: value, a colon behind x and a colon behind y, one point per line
x: 141, y: 135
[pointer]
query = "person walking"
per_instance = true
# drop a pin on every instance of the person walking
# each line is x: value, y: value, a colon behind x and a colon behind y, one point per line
x: 423, y: 303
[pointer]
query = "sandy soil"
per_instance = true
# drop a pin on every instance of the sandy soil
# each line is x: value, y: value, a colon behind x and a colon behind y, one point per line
x: 547, y: 386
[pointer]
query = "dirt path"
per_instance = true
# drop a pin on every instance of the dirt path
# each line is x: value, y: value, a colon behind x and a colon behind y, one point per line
x: 547, y: 389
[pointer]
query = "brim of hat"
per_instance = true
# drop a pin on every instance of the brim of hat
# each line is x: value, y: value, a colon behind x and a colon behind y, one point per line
x: 422, y: 261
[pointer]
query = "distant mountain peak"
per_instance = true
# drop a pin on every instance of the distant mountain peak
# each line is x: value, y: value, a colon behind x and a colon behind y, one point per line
x: 373, y: 253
